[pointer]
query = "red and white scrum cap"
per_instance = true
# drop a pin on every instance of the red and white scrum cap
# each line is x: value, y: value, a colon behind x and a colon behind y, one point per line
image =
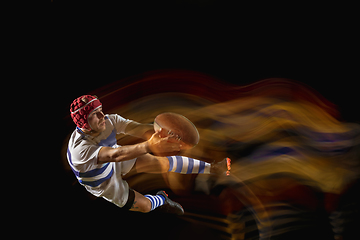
x: 81, y: 108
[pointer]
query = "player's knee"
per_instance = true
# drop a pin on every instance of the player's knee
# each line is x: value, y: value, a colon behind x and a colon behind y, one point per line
x: 146, y: 207
x: 164, y: 164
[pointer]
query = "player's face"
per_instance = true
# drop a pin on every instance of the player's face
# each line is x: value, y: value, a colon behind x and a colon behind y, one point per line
x: 97, y: 120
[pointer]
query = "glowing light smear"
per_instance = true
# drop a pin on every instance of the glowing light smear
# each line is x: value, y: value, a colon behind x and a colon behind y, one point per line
x: 285, y: 142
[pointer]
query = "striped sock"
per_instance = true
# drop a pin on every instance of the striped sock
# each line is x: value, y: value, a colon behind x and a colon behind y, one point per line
x: 156, y: 201
x: 185, y: 165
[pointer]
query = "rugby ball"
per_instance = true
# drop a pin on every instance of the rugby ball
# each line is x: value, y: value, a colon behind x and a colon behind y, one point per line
x: 178, y: 126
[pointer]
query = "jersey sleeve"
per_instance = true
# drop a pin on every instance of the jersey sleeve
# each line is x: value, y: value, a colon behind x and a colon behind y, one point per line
x: 85, y: 155
x: 119, y: 122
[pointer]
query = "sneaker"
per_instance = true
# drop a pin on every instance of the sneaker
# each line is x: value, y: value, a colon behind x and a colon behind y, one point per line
x: 221, y: 168
x: 169, y: 205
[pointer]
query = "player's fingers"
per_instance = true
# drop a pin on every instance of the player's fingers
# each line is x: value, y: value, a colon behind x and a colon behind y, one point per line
x: 162, y: 133
x: 165, y: 139
x: 171, y: 143
x: 172, y: 139
x: 158, y: 131
x: 157, y: 134
x: 175, y: 146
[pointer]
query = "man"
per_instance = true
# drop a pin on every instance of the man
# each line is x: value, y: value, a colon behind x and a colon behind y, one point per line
x: 99, y: 163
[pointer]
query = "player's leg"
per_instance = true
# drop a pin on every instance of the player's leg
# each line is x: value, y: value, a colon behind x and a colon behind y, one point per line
x: 179, y: 164
x: 187, y: 165
x: 140, y: 203
x: 155, y: 164
x: 151, y: 164
x: 147, y: 203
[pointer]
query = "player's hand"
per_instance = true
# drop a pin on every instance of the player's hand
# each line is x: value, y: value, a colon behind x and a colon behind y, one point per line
x: 159, y: 144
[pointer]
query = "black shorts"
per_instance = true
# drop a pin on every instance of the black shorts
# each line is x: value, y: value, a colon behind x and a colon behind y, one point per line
x: 130, y: 200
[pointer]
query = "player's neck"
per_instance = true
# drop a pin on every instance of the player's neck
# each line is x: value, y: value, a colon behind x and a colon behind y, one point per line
x: 91, y: 133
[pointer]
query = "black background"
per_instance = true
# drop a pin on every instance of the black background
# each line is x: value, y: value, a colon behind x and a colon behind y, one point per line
x: 92, y: 44
x: 79, y: 46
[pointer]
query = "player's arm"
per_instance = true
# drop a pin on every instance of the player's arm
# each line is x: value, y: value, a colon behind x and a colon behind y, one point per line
x: 123, y: 153
x: 155, y: 144
x: 144, y: 131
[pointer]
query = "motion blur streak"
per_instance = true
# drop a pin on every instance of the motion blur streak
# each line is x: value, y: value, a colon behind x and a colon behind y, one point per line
x: 293, y: 160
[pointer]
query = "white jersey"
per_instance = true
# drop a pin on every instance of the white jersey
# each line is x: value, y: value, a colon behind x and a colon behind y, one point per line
x: 102, y: 180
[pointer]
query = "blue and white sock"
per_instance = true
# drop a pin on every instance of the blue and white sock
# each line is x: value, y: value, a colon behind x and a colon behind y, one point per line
x: 186, y: 165
x: 156, y: 201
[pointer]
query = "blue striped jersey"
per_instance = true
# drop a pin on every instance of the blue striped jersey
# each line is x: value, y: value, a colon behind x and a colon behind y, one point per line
x: 82, y: 153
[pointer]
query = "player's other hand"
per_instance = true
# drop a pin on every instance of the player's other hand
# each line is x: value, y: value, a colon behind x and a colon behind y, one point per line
x: 160, y: 143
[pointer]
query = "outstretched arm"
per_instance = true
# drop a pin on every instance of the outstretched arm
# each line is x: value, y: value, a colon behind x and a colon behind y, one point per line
x: 144, y: 131
x: 127, y: 152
